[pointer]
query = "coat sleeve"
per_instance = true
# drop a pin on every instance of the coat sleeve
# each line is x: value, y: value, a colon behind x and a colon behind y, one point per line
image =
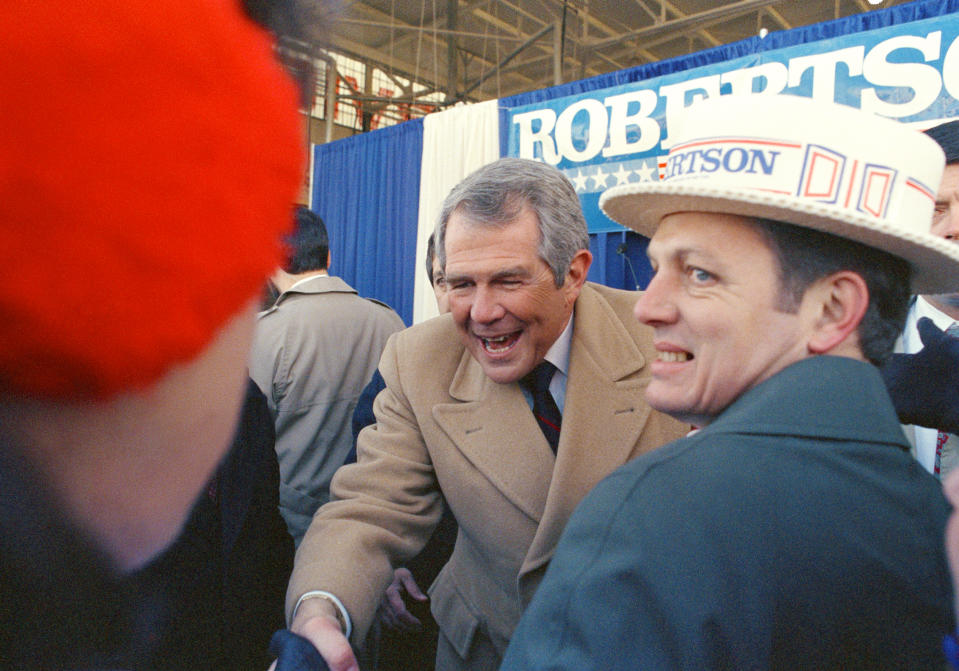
x: 382, y: 512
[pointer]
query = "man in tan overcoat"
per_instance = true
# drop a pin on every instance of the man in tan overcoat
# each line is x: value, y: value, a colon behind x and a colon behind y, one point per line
x: 456, y: 422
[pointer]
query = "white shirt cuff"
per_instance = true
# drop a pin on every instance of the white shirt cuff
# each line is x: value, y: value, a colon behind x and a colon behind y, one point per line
x: 318, y: 593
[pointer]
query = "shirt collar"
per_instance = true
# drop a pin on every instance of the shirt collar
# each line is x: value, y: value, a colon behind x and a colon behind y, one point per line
x: 558, y: 353
x: 926, y: 309
x: 322, y: 273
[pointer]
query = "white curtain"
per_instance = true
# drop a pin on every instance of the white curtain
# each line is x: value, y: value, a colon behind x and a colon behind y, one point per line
x: 456, y: 142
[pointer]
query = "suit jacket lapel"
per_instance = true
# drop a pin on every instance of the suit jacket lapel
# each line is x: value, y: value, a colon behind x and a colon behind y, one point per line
x: 603, y: 417
x: 495, y: 430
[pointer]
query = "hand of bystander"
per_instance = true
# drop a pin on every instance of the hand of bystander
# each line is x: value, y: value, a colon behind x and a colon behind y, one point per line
x: 924, y: 387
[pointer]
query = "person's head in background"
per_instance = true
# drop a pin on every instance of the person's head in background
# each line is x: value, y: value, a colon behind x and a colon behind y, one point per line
x: 307, y: 250
x: 126, y: 328
x: 437, y: 278
x: 945, y: 221
x: 308, y: 245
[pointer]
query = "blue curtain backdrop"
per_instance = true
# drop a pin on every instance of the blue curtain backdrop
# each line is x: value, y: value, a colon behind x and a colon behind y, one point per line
x: 609, y: 265
x: 366, y: 188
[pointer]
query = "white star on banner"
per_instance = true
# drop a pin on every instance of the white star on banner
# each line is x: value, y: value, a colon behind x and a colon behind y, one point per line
x: 600, y: 178
x: 579, y: 181
x: 647, y: 171
x: 622, y: 175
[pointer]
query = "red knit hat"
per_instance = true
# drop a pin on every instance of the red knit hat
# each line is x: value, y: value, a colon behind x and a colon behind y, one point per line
x: 150, y: 153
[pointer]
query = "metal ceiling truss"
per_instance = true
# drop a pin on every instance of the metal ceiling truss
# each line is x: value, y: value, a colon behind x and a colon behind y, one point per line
x: 477, y: 49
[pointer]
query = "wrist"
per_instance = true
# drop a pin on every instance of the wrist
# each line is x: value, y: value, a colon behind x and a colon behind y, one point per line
x: 320, y: 604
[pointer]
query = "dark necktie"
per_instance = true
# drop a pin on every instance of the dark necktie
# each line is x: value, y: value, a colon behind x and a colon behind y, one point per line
x: 544, y: 406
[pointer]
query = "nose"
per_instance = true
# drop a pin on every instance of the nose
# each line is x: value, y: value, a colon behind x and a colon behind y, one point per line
x: 655, y: 305
x: 485, y: 307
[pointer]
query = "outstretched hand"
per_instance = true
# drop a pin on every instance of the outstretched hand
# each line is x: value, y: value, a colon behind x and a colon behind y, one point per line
x: 314, y: 642
x: 294, y: 653
x: 924, y: 386
x: 393, y: 611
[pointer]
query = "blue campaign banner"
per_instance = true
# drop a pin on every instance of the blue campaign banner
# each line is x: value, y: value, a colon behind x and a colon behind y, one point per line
x: 909, y: 72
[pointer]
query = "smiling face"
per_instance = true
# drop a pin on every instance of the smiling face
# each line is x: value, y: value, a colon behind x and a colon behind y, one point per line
x: 503, y: 296
x: 713, y: 304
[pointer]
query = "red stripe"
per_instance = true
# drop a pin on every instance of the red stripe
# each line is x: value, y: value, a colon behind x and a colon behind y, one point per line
x: 547, y: 422
x: 921, y: 190
x: 736, y: 140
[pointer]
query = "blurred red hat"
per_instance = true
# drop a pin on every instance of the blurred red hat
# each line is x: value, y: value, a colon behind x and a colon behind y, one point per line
x: 150, y: 155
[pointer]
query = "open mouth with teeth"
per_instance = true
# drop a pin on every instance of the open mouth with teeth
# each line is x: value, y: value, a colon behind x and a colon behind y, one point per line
x: 500, y: 344
x: 677, y: 357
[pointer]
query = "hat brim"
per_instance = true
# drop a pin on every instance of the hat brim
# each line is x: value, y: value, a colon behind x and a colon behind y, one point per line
x: 642, y: 206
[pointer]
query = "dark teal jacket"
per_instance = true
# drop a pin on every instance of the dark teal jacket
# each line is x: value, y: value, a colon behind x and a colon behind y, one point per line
x: 794, y: 532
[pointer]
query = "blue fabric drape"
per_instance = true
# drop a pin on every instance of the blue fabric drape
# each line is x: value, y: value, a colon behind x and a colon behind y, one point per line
x: 366, y: 188
x: 619, y: 260
x: 609, y: 263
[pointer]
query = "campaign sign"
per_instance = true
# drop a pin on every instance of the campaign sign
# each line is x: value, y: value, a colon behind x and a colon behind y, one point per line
x: 620, y: 135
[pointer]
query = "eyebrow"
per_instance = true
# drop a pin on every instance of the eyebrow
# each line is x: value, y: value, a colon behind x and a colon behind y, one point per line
x: 681, y: 252
x: 516, y: 271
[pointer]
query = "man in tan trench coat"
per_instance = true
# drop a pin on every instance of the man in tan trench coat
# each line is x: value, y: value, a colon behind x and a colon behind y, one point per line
x: 455, y: 421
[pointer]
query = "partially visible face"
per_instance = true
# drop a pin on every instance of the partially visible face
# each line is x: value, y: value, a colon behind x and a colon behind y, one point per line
x: 440, y: 289
x: 951, y: 489
x: 945, y: 219
x: 133, y: 502
x: 945, y: 224
x: 713, y: 306
x: 503, y: 297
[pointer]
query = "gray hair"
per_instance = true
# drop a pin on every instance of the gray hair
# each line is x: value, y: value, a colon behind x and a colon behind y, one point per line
x: 495, y: 195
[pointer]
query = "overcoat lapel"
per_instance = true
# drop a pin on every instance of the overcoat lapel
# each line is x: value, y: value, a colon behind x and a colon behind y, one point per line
x: 603, y: 417
x: 494, y: 428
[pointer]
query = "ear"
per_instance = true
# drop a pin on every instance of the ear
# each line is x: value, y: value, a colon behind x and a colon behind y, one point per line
x: 836, y: 305
x: 576, y: 276
x: 579, y: 268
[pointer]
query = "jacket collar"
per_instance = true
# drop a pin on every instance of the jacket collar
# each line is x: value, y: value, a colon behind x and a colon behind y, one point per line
x: 803, y: 398
x: 321, y: 284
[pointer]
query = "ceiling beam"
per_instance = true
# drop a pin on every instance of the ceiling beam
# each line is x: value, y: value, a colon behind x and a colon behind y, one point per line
x: 688, y: 23
x: 427, y: 26
x: 407, y: 28
x: 513, y: 54
x: 387, y: 61
x: 778, y: 18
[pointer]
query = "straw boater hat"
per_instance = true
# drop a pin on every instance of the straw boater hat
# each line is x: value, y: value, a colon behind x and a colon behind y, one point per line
x: 827, y: 167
